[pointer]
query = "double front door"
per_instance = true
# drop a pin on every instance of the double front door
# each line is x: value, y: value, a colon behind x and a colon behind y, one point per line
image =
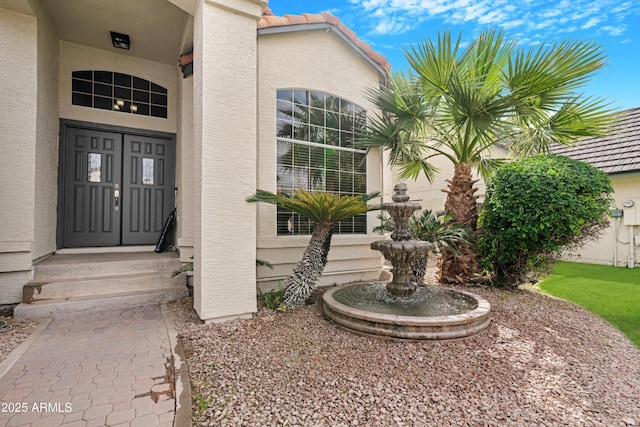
x: 117, y: 188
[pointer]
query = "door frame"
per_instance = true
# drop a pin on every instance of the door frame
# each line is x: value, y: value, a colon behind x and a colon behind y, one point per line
x: 67, y: 123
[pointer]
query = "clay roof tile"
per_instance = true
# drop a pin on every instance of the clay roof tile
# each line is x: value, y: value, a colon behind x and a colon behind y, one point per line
x: 296, y: 19
x: 314, y: 18
x: 330, y: 19
x: 275, y: 21
x: 270, y: 20
x: 347, y: 32
x: 364, y: 46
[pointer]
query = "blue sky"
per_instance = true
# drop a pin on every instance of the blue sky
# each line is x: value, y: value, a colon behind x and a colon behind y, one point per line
x: 389, y: 26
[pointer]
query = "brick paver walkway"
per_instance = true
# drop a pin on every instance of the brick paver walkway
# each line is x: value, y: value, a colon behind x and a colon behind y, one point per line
x: 108, y: 368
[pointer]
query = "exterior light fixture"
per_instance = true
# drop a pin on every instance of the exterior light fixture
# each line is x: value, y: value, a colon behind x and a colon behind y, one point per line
x: 119, y: 40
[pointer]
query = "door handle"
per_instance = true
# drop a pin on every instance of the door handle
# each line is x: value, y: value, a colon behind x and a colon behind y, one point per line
x: 116, y: 195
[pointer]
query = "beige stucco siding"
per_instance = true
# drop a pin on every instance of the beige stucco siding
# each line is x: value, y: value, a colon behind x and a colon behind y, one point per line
x: 74, y: 57
x: 322, y: 61
x: 46, y: 172
x: 224, y: 159
x: 184, y: 171
x: 624, y: 252
x: 19, y: 88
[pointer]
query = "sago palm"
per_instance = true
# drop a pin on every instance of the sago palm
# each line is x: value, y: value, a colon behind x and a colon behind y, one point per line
x: 440, y: 229
x: 324, y: 210
x: 458, y: 103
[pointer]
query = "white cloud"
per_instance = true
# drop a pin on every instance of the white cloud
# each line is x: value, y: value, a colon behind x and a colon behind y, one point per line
x: 546, y: 17
x: 533, y: 25
x: 613, y: 31
x: 493, y: 17
x: 571, y: 29
x: 372, y: 4
x: 392, y: 26
x: 513, y: 24
x: 590, y: 23
x: 550, y: 13
x: 621, y: 7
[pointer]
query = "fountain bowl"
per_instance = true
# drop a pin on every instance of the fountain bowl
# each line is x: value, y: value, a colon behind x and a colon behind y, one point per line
x: 404, y: 319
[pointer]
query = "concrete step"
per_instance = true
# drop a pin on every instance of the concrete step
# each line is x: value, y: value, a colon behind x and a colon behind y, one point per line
x: 65, y: 283
x: 84, y: 286
x: 116, y: 301
x: 70, y: 266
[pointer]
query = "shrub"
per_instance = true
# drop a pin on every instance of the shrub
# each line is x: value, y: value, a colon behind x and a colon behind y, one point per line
x: 273, y: 299
x: 536, y: 207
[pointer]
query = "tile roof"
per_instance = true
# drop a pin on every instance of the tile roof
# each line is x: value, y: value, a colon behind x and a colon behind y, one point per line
x: 269, y: 20
x: 618, y: 152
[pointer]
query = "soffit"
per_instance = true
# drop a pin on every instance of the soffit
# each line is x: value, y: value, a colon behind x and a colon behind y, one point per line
x: 156, y: 27
x: 21, y: 6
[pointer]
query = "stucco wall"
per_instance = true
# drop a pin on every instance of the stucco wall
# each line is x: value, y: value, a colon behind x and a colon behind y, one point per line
x: 184, y: 168
x: 74, y: 57
x: 19, y: 88
x: 224, y: 158
x: 603, y: 250
x: 46, y: 172
x: 316, y: 60
x: 184, y: 157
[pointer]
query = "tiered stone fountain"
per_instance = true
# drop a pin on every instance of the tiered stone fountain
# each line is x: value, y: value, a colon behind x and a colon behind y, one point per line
x: 401, y: 309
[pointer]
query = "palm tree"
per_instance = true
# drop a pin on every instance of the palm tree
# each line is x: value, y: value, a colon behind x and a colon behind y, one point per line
x: 324, y: 210
x: 459, y: 103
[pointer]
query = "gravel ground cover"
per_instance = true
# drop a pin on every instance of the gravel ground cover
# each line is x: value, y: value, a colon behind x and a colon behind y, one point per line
x: 13, y: 336
x: 542, y: 362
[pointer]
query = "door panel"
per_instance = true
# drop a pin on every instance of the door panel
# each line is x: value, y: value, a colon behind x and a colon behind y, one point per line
x: 148, y: 188
x: 92, y: 168
x: 95, y: 163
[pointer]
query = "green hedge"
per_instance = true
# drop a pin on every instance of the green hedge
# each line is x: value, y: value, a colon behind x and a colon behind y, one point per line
x: 536, y: 207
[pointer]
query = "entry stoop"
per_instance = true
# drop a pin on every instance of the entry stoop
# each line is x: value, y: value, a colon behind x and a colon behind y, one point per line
x: 65, y: 283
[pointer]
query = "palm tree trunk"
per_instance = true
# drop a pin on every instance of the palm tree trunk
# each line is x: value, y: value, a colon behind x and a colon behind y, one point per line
x: 299, y: 284
x: 461, y: 202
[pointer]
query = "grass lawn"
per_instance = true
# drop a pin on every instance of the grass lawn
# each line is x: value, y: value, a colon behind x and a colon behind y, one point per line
x: 611, y: 293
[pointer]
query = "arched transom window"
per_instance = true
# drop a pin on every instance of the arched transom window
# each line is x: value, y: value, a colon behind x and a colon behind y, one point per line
x: 108, y: 90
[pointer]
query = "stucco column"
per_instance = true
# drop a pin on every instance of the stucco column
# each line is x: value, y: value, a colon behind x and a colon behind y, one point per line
x: 225, y: 157
x: 18, y: 112
x: 184, y: 171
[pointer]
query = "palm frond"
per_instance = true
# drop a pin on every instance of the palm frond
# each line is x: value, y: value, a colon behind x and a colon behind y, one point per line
x: 486, y: 165
x: 440, y: 229
x: 459, y: 102
x: 576, y: 118
x: 319, y: 207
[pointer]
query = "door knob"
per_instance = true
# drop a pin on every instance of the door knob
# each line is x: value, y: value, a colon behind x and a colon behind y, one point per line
x: 116, y: 195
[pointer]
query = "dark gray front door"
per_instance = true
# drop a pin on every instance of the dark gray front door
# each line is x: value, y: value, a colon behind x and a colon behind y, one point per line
x: 147, y: 185
x: 118, y: 188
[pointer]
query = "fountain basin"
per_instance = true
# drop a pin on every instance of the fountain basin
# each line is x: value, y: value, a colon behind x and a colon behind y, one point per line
x: 432, y: 313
